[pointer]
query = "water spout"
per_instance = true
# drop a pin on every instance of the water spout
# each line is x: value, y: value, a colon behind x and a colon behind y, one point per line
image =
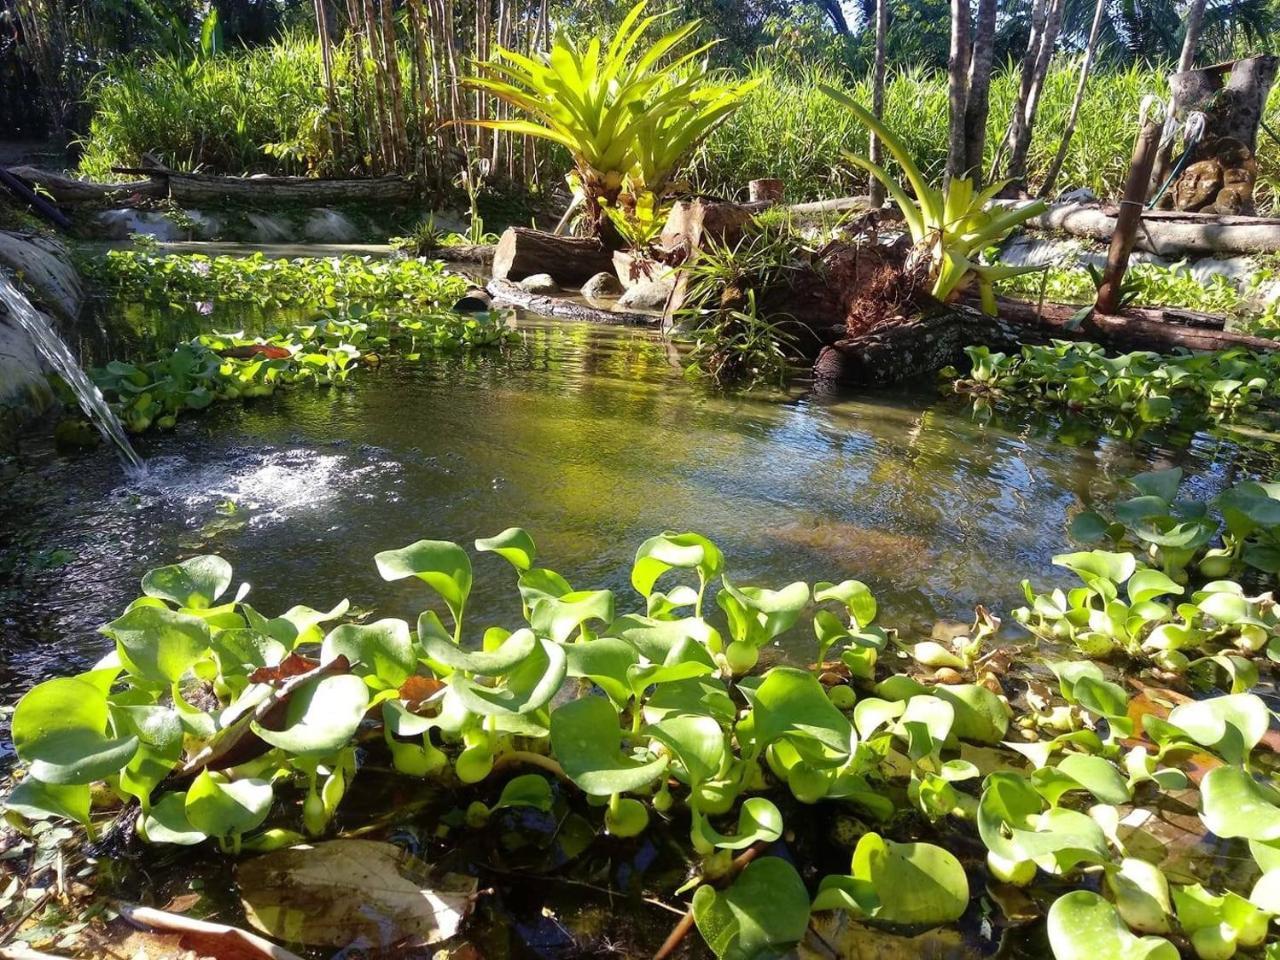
x: 56, y: 354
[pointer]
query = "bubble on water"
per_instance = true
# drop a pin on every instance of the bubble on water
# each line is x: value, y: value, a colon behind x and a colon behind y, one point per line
x: 271, y: 485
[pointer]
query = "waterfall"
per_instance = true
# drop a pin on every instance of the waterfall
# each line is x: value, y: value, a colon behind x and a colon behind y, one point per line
x: 56, y: 354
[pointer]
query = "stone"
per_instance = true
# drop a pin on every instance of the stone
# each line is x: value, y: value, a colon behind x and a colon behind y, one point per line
x: 647, y: 295
x: 539, y: 283
x: 44, y: 264
x: 1198, y: 185
x: 1235, y: 200
x: 602, y: 285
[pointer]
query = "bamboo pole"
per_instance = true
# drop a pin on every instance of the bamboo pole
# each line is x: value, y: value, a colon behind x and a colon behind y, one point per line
x: 1127, y: 220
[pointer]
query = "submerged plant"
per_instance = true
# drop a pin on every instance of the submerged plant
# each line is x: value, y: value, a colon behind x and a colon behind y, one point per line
x: 210, y: 719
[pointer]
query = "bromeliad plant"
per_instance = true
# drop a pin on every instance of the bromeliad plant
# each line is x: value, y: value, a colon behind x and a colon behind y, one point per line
x: 209, y: 717
x: 950, y: 228
x: 629, y: 114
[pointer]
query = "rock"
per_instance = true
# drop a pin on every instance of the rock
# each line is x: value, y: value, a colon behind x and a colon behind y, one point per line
x: 601, y: 285
x: 119, y: 224
x: 44, y: 264
x: 647, y: 295
x: 329, y: 226
x: 1235, y: 199
x: 539, y: 283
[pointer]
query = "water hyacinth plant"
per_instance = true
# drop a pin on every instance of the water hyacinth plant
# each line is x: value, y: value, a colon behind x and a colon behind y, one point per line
x: 209, y: 717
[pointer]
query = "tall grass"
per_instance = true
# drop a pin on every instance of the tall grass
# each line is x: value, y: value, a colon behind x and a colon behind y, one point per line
x: 258, y: 110
x: 789, y: 129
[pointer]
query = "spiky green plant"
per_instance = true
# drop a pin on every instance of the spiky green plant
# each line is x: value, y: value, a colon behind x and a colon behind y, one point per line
x: 950, y: 227
x: 628, y: 114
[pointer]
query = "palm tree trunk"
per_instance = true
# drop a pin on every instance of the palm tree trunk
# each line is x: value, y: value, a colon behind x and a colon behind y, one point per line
x: 1191, y: 39
x: 877, y: 96
x: 979, y: 102
x: 1086, y: 65
x: 1039, y: 9
x: 957, y: 87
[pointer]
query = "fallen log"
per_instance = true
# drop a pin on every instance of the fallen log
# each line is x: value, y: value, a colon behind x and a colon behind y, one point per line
x: 198, y: 188
x: 570, y: 261
x: 923, y: 345
x: 464, y: 253
x: 68, y: 190
x: 506, y: 293
x: 1167, y: 234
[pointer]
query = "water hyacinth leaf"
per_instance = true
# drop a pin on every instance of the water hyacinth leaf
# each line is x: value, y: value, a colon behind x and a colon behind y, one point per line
x: 224, y: 808
x: 195, y: 583
x: 759, y: 821
x: 856, y: 897
x: 528, y: 687
x: 980, y: 715
x: 1095, y: 565
x: 159, y: 644
x: 668, y: 551
x: 1097, y: 775
x: 320, y: 716
x: 1147, y: 584
x: 760, y: 614
x: 655, y: 639
x: 304, y: 622
x: 159, y: 733
x: 540, y: 582
x: 916, y: 883
x: 871, y: 713
x: 1233, y: 804
x: 605, y: 662
x: 696, y: 695
x: 854, y: 594
x: 167, y: 822
x: 60, y: 728
x: 687, y: 659
x: 926, y: 724
x: 1265, y: 854
x: 440, y: 648
x: 1089, y: 528
x: 440, y: 564
x: 1083, y: 926
x: 1158, y: 483
x: 526, y: 790
x: 697, y: 743
x: 585, y: 736
x: 383, y: 649
x: 1266, y: 893
x: 764, y: 911
x: 1141, y: 894
x: 1231, y: 725
x: 35, y: 800
x: 559, y: 617
x: 791, y: 702
x: 514, y: 545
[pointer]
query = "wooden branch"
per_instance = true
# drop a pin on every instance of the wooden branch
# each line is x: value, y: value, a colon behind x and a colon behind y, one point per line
x: 68, y: 190
x: 1167, y: 234
x: 522, y: 252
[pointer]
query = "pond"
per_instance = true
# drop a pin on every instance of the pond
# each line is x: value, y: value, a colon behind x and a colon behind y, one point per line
x: 591, y: 438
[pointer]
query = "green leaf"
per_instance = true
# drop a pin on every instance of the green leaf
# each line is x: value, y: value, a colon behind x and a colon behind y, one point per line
x: 60, y: 728
x: 697, y: 743
x: 655, y: 639
x: 383, y: 649
x: 1158, y: 483
x: 855, y: 897
x: 526, y: 790
x: 440, y: 564
x: 1100, y: 777
x: 559, y: 617
x: 1146, y: 585
x: 854, y: 594
x: 1231, y: 725
x: 528, y: 687
x: 320, y: 716
x: 586, y: 738
x: 490, y: 663
x: 1099, y: 564
x: 1083, y: 926
x: 159, y: 733
x: 757, y: 615
x: 36, y: 800
x: 195, y: 583
x: 792, y: 703
x: 514, y: 545
x: 759, y: 821
x: 223, y: 808
x: 1233, y: 804
x: 158, y: 644
x: 667, y: 551
x: 167, y: 822
x: 764, y: 911
x: 916, y: 883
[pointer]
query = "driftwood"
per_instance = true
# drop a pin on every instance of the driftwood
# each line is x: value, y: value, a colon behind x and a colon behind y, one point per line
x: 68, y: 190
x: 196, y: 188
x: 506, y: 293
x: 464, y: 253
x: 570, y: 261
x: 1167, y: 234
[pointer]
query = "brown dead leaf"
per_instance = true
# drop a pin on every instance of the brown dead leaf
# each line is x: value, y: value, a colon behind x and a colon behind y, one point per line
x: 348, y: 892
x: 294, y: 665
x: 417, y: 689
